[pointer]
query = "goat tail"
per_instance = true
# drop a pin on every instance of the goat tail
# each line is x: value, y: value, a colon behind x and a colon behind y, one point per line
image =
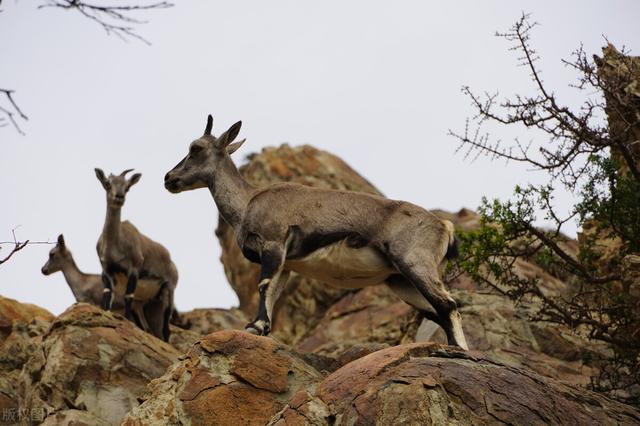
x: 452, y: 246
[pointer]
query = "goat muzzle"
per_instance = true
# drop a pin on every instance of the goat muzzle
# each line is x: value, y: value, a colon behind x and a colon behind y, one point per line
x: 171, y: 184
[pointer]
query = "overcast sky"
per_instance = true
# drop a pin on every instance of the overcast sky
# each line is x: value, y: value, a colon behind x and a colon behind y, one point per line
x: 377, y: 83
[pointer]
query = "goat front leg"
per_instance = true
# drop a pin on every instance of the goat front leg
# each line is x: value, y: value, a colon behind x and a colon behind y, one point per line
x: 107, y: 292
x: 128, y: 296
x: 270, y: 287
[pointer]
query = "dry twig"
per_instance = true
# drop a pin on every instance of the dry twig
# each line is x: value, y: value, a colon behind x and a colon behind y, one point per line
x: 117, y: 20
x: 13, y: 113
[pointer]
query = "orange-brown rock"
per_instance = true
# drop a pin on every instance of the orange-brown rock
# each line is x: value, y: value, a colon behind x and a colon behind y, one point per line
x: 92, y: 361
x: 21, y: 328
x: 304, y: 301
x: 227, y: 378
x: 199, y: 322
x: 429, y: 384
x: 12, y: 311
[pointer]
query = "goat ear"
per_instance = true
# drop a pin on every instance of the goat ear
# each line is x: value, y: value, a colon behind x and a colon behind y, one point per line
x: 207, y: 130
x: 227, y: 137
x: 102, y: 178
x: 134, y: 179
x: 234, y: 146
x: 61, y: 240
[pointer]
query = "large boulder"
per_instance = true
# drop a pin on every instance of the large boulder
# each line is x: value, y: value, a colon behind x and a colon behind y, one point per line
x: 430, y: 384
x: 304, y: 301
x: 504, y: 332
x: 227, y: 378
x: 21, y: 328
x: 90, y: 368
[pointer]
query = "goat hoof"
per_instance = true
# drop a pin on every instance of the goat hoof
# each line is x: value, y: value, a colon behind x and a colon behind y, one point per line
x: 252, y: 330
x: 258, y: 327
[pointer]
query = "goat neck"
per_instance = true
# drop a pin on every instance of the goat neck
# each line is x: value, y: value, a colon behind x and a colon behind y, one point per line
x: 76, y: 279
x: 230, y: 191
x: 111, y: 230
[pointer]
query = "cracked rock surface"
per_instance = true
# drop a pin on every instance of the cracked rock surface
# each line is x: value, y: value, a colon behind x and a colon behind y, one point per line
x: 430, y: 384
x: 227, y: 378
x: 91, y: 365
x: 232, y: 377
x: 21, y: 328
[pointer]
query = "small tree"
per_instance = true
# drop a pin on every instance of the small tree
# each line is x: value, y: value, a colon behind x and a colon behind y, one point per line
x: 594, y: 153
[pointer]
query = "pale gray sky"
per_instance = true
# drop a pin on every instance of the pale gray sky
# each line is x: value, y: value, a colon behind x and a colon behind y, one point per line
x: 377, y: 83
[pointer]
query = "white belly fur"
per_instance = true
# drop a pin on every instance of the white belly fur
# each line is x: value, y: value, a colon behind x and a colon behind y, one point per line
x: 342, y: 266
x: 145, y: 289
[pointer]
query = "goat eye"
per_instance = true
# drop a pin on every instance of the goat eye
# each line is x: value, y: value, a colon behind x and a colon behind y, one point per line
x: 50, y: 255
x: 195, y: 149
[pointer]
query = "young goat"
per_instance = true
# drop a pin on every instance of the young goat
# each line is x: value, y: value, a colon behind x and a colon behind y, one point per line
x: 128, y: 255
x: 86, y: 288
x: 343, y: 238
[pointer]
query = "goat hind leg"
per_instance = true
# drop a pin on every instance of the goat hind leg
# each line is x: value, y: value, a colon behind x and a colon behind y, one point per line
x: 426, y: 280
x: 406, y: 291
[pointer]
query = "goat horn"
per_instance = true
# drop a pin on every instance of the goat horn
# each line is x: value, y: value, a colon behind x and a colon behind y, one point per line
x: 123, y: 174
x: 207, y: 130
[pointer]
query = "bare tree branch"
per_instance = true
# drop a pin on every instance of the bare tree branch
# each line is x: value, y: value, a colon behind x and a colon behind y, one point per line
x: 13, y: 113
x: 116, y: 20
x: 571, y: 135
x: 19, y: 245
x: 16, y: 248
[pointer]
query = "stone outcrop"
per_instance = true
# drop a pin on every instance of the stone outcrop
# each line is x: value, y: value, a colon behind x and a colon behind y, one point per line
x: 94, y: 362
x: 429, y: 384
x: 232, y: 377
x: 227, y: 378
x: 504, y: 332
x: 21, y: 328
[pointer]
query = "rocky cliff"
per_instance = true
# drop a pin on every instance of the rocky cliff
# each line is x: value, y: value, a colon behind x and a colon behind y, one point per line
x: 335, y: 357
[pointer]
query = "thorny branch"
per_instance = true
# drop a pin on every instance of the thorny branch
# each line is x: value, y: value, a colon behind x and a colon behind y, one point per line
x: 116, y: 20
